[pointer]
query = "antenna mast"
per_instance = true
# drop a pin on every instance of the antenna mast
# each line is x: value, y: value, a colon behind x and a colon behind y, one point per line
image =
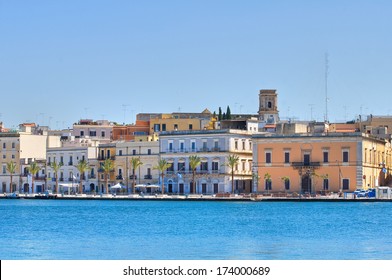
x: 326, y: 87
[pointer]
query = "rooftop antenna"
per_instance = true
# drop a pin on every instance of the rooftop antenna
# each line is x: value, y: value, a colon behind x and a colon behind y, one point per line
x: 311, y: 111
x: 125, y: 110
x: 326, y: 87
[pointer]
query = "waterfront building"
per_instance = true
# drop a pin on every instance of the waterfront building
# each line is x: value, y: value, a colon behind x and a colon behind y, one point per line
x: 24, y: 147
x: 320, y: 162
x: 148, y: 154
x: 106, y: 151
x: 69, y: 176
x: 213, y: 148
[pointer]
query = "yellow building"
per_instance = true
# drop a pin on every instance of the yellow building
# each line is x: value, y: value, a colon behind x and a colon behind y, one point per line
x: 317, y: 163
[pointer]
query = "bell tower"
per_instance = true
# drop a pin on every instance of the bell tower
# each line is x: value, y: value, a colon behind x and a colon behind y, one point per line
x: 268, y: 106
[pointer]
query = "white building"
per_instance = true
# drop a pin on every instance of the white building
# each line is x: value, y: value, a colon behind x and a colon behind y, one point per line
x: 213, y: 147
x: 23, y: 147
x: 68, y: 175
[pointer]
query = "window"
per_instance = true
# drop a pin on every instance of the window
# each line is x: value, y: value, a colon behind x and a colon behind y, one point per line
x: 4, y: 156
x: 103, y: 134
x: 4, y: 145
x: 61, y: 159
x: 181, y: 146
x: 325, y: 156
x: 346, y: 184
x: 250, y: 145
x: 81, y: 133
x: 205, y: 145
x: 163, y: 127
x: 170, y: 146
x: 190, y: 126
x: 216, y: 145
x: 345, y: 156
x: 306, y: 159
x: 325, y: 184
x: 176, y: 127
x: 120, y: 153
x: 193, y: 145
x: 243, y: 165
x: 268, y: 157
x: 108, y: 153
x: 157, y: 127
x: 93, y: 133
x: 149, y: 151
x: 215, y: 166
x: 13, y: 145
x: 286, y: 157
x: 287, y: 184
x: 236, y: 145
x: 133, y: 152
x: 4, y: 169
x: 204, y: 166
x: 243, y: 145
x: 181, y: 166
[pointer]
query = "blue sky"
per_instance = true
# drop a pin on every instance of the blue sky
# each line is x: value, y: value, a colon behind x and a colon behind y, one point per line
x: 65, y: 60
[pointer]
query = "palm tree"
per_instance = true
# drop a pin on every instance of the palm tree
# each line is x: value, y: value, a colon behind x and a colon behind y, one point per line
x: 33, y: 169
x: 194, y: 162
x: 232, y: 161
x: 82, y: 167
x: 135, y: 164
x: 107, y: 167
x: 161, y: 167
x: 11, y: 168
x: 56, y: 167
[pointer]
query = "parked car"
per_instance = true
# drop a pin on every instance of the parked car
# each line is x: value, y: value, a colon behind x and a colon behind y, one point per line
x: 362, y: 193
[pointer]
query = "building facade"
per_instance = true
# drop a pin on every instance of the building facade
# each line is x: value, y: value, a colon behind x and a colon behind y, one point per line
x: 314, y: 163
x: 69, y: 176
x: 213, y: 148
x: 24, y: 147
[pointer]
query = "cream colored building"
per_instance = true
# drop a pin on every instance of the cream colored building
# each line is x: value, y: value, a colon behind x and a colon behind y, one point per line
x: 147, y: 152
x: 24, y: 147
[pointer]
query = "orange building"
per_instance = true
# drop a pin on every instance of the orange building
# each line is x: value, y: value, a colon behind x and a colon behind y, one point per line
x: 316, y: 163
x: 128, y: 132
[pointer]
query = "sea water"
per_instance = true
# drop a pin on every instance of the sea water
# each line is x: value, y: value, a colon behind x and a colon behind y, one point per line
x: 165, y: 230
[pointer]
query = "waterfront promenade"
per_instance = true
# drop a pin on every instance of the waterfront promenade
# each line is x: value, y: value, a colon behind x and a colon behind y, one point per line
x: 198, y: 197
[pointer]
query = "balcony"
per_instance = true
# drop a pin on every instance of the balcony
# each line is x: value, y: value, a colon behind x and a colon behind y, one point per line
x: 148, y: 177
x: 305, y: 164
x: 92, y: 176
x: 133, y: 177
x: 70, y: 163
x: 61, y: 179
x: 119, y: 177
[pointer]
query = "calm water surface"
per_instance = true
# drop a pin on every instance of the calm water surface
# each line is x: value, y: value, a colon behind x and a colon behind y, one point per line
x: 40, y: 229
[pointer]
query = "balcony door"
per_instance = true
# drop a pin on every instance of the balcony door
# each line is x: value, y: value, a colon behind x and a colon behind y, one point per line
x: 306, y: 184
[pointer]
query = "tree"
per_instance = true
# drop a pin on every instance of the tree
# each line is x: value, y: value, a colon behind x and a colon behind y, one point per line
x: 267, y: 179
x: 285, y: 179
x: 82, y: 167
x: 224, y: 116
x: 135, y: 164
x: 33, y: 169
x: 161, y: 167
x: 194, y: 162
x: 228, y: 113
x: 220, y: 114
x: 56, y: 167
x: 107, y: 167
x: 232, y: 161
x: 11, y: 168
